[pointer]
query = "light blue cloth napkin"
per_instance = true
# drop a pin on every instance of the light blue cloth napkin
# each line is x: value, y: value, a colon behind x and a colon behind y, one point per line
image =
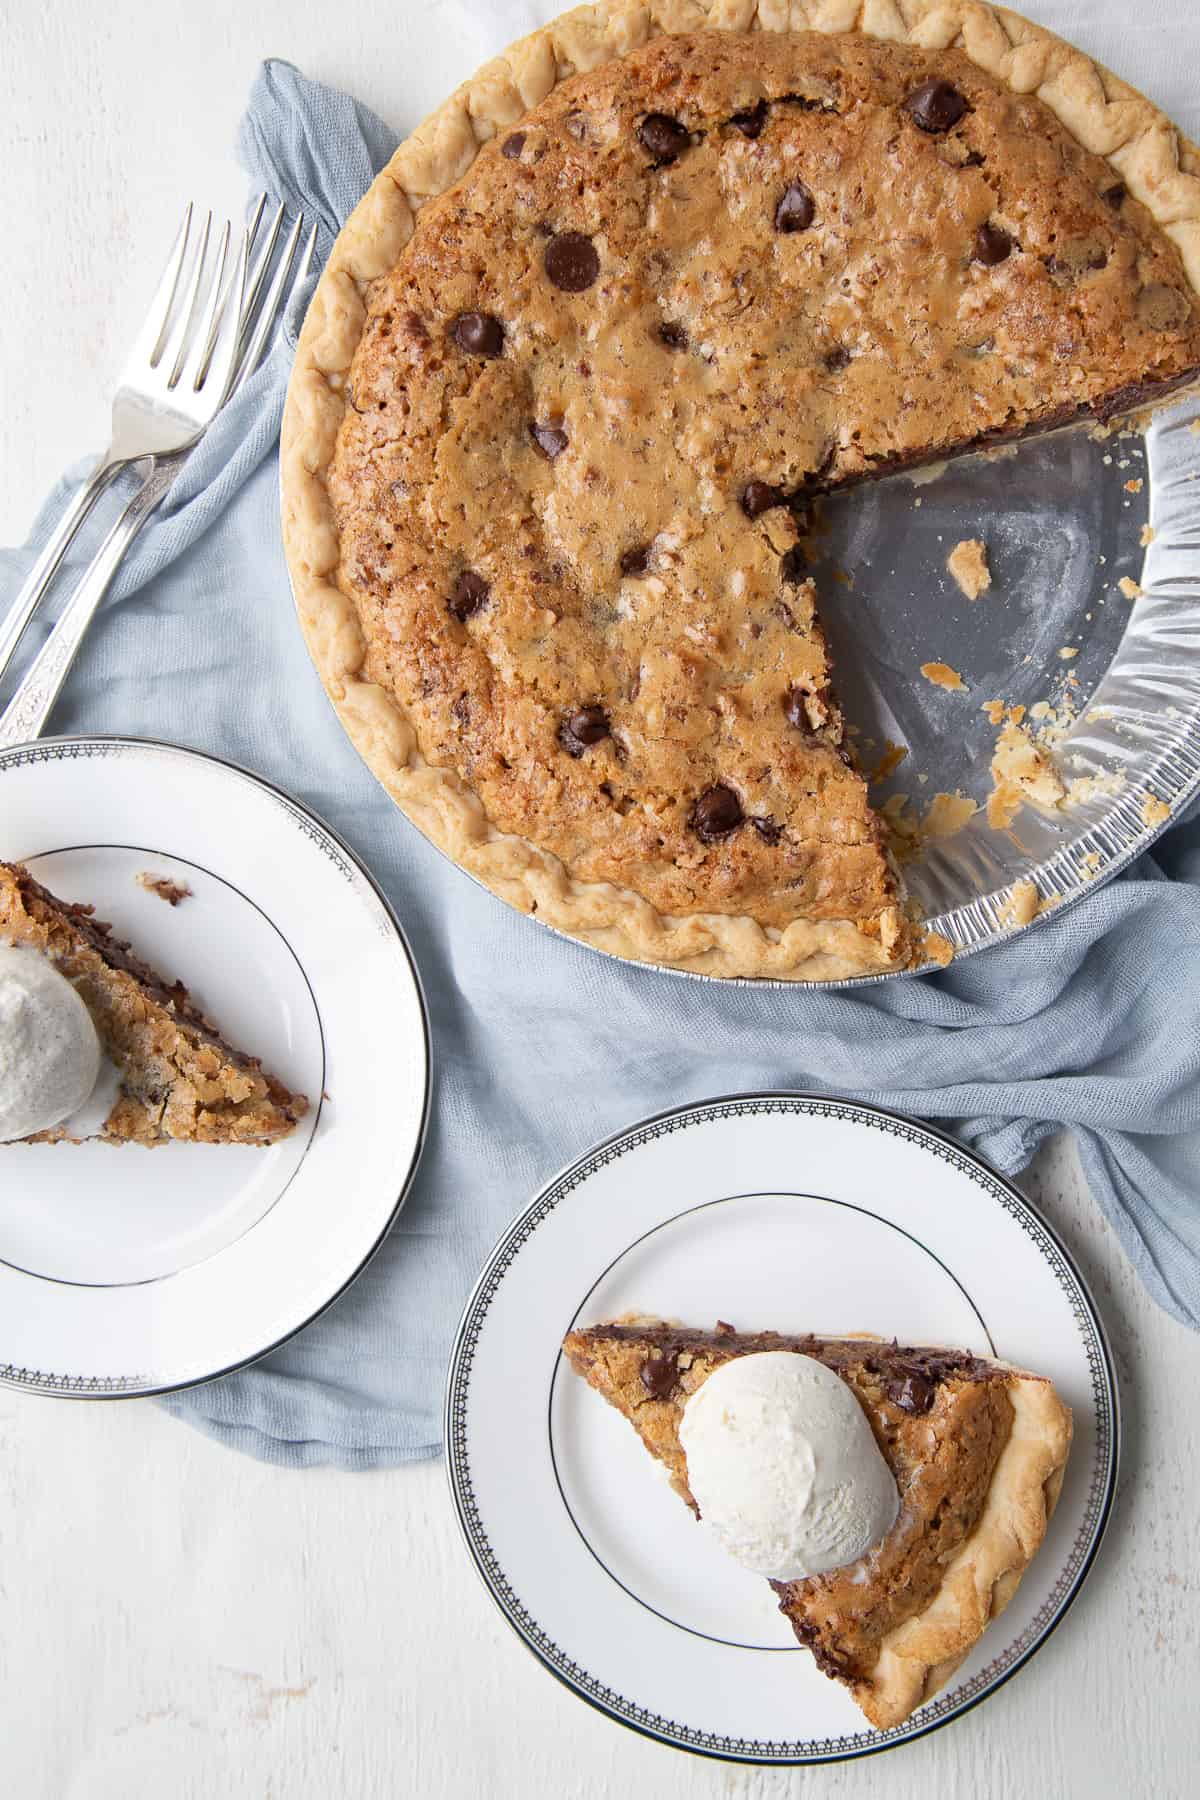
x: 1091, y: 1020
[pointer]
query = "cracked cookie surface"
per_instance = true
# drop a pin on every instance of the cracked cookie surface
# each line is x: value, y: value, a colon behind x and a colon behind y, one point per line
x: 589, y: 401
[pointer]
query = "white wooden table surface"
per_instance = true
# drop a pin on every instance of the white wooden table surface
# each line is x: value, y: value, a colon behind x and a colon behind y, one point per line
x: 180, y: 1621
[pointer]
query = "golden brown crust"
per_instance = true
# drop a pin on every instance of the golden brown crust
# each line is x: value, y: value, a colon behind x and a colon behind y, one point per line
x: 978, y: 1451
x: 179, y: 1078
x: 589, y: 894
x: 920, y: 1656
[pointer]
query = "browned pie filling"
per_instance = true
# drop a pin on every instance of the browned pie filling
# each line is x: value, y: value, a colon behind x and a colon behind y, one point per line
x: 941, y: 1420
x: 693, y: 288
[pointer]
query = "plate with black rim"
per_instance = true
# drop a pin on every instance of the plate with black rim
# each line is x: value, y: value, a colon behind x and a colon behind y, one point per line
x: 770, y: 1211
x: 127, y: 1271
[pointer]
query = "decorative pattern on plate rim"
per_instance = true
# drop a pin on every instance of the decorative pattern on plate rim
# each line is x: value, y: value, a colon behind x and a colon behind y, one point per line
x: 49, y: 1382
x: 803, y: 1750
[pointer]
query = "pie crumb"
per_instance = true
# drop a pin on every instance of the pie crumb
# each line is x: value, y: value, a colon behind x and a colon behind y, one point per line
x: 1154, y: 810
x: 173, y: 892
x: 893, y: 756
x: 1147, y: 536
x: 943, y: 676
x: 1135, y: 486
x: 967, y: 562
x: 947, y: 814
x: 1021, y: 905
x: 994, y: 710
x: 937, y: 948
x: 1021, y: 771
x: 1129, y: 587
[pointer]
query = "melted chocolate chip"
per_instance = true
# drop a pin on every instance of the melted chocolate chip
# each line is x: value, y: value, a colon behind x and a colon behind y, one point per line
x: 935, y: 106
x: 664, y: 137
x: 551, y: 440
x: 992, y: 245
x: 796, y: 209
x: 793, y: 565
x: 837, y: 358
x: 910, y: 1390
x: 752, y: 121
x: 769, y: 829
x: 658, y: 1376
x: 572, y: 261
x: 1116, y: 195
x: 795, y: 705
x: 716, y: 813
x: 513, y: 146
x: 635, y: 561
x: 467, y: 595
x: 758, y: 497
x: 478, y: 333
x: 672, y: 335
x: 583, y: 728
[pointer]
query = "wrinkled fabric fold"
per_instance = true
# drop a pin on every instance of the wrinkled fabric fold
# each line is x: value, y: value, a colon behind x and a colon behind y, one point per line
x: 1090, y: 1021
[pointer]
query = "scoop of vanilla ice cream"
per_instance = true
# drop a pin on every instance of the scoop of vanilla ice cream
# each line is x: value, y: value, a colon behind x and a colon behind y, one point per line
x: 784, y: 1467
x: 50, y: 1055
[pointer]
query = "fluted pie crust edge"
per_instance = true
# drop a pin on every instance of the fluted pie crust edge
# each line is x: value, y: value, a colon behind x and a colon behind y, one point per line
x: 1158, y: 166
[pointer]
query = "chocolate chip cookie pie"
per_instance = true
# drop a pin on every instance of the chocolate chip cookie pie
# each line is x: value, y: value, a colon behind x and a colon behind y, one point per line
x: 977, y: 1450
x: 168, y: 1076
x: 578, y: 366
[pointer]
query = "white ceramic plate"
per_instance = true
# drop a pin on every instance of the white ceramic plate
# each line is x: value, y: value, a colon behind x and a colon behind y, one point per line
x: 127, y: 1271
x: 770, y: 1211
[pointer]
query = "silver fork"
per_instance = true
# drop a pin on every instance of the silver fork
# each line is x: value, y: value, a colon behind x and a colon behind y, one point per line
x: 156, y: 411
x: 217, y: 360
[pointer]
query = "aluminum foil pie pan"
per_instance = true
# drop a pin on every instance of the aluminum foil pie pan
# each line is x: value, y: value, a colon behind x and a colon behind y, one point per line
x: 1109, y: 674
x: 1091, y: 624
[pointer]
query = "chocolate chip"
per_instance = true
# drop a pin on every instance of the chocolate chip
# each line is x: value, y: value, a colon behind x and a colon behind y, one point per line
x: 659, y: 1374
x: 798, y: 705
x: 910, y: 1390
x: 758, y: 497
x: 478, y: 333
x: 551, y: 440
x: 1116, y: 195
x: 837, y: 358
x: 769, y: 829
x: 635, y: 561
x: 793, y: 565
x: 992, y: 245
x: 664, y: 137
x: 716, y: 813
x: 572, y: 261
x: 513, y: 146
x: 467, y: 595
x: 751, y: 122
x: 935, y: 106
x: 672, y: 335
x: 796, y: 209
x: 583, y: 728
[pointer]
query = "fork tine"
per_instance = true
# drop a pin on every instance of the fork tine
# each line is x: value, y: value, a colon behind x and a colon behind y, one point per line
x: 262, y: 266
x: 223, y: 361
x: 270, y: 306
x: 186, y: 328
x: 148, y: 346
x: 201, y: 353
x: 252, y: 228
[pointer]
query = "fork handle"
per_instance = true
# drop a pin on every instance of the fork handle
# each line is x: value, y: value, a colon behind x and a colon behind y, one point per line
x: 30, y: 707
x: 12, y: 629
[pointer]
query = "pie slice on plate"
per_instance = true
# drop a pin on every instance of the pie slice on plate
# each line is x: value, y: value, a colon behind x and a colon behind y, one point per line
x: 977, y: 1450
x: 578, y: 365
x: 169, y: 1074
